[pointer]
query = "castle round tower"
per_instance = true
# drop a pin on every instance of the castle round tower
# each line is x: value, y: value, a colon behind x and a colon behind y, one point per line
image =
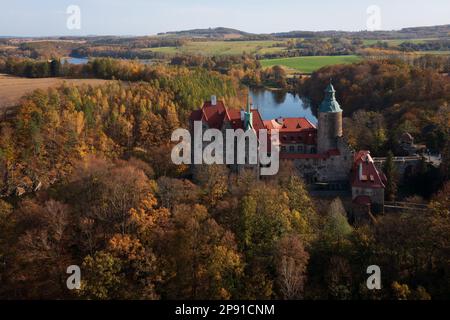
x: 330, y: 122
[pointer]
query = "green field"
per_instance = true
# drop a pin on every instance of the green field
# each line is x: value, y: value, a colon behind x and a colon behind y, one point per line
x: 433, y: 52
x: 218, y: 48
x: 310, y: 64
x: 396, y: 42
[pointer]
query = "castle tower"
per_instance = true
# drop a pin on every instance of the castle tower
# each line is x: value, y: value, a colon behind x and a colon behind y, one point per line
x: 330, y: 121
x: 248, y: 116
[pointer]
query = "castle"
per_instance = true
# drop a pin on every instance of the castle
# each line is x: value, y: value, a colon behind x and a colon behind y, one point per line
x: 320, y: 154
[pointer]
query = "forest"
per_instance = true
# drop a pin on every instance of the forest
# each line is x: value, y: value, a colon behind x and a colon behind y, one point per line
x: 86, y: 180
x: 387, y: 98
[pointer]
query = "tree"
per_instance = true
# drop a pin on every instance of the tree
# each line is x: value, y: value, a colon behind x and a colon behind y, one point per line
x: 55, y: 67
x: 138, y: 267
x: 176, y: 191
x: 109, y: 191
x: 279, y: 75
x: 213, y: 180
x: 101, y: 276
x: 336, y: 227
x: 6, y: 232
x: 40, y: 253
x: 445, y: 164
x: 440, y: 204
x: 339, y: 278
x: 291, y: 261
x: 401, y: 291
x: 202, y: 257
x: 391, y: 175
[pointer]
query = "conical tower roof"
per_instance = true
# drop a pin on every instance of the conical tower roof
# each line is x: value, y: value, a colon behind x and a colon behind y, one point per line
x: 329, y: 103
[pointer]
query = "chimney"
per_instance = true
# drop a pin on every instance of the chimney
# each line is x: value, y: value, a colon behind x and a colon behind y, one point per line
x: 213, y: 100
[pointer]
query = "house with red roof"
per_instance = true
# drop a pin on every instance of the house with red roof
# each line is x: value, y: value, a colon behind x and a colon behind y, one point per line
x: 368, y: 183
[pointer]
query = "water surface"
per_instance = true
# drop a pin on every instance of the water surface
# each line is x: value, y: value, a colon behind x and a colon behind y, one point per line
x: 274, y: 104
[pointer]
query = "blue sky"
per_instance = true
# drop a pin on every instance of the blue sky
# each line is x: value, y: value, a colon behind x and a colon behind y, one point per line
x: 143, y: 17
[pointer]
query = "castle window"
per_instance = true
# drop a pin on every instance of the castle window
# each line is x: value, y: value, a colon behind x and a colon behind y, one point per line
x: 283, y: 148
x: 291, y: 149
x: 300, y: 149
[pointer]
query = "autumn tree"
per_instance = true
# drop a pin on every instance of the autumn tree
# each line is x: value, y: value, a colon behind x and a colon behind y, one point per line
x: 104, y: 193
x: 41, y: 256
x: 213, y: 180
x: 291, y: 261
x: 6, y: 234
x: 175, y: 191
x: 202, y: 257
x: 101, y: 276
x: 125, y: 270
x: 336, y: 226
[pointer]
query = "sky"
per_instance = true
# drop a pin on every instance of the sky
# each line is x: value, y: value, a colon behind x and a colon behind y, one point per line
x: 147, y: 17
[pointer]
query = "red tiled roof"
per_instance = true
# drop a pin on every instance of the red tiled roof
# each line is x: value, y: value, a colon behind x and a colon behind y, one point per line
x: 294, y: 130
x: 258, y: 123
x: 364, y: 173
x: 234, y: 116
x: 217, y: 114
x: 290, y: 124
x: 307, y: 136
x: 214, y: 114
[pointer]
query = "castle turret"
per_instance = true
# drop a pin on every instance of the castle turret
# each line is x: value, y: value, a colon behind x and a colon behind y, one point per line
x: 330, y: 121
x: 248, y: 116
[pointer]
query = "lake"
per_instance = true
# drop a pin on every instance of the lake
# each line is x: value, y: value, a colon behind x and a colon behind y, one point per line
x: 73, y: 60
x: 85, y: 60
x: 274, y: 104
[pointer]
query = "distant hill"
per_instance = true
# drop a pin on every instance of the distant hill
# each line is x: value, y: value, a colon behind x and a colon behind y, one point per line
x: 442, y: 31
x: 220, y: 32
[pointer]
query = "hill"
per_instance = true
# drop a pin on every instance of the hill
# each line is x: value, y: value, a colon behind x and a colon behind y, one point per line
x: 220, y: 32
x: 442, y: 31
